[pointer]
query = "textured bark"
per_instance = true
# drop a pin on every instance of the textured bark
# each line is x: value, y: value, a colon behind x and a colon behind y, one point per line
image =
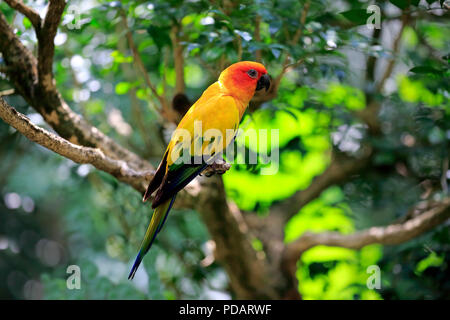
x: 46, y: 46
x: 23, y: 74
x: 178, y: 59
x: 248, y: 270
x: 76, y: 153
x: 101, y: 151
x: 21, y: 65
x: 28, y: 12
x: 341, y: 168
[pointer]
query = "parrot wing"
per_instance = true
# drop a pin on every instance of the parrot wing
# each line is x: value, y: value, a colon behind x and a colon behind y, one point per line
x: 219, y: 113
x: 157, y: 178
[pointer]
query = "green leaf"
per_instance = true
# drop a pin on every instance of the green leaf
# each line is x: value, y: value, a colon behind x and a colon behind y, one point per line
x: 257, y: 244
x: 289, y: 112
x: 26, y: 23
x: 160, y: 35
x: 122, y: 87
x: 433, y: 260
x: 143, y: 94
x: 357, y: 16
x: 425, y: 69
x: 220, y: 14
x: 145, y: 44
x: 214, y: 53
x: 120, y: 58
x: 403, y: 4
x: 94, y: 107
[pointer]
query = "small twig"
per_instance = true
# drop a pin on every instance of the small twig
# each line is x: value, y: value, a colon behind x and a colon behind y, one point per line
x: 273, y: 90
x: 303, y: 16
x: 257, y: 36
x: 294, y: 40
x: 395, y: 47
x: 165, y: 68
x: 165, y: 111
x: 293, y: 64
x: 178, y: 59
x: 219, y: 166
x: 444, y: 175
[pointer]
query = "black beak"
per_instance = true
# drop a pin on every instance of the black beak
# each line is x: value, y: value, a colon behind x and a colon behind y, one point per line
x: 263, y: 82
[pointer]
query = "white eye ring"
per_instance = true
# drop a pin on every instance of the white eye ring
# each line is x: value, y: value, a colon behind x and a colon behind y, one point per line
x: 252, y: 73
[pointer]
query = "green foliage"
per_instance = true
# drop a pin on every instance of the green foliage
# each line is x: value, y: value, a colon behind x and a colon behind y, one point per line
x: 97, y: 223
x: 337, y: 273
x: 329, y: 272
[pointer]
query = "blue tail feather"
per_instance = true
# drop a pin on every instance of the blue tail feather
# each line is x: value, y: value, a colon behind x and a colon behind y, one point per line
x: 143, y: 250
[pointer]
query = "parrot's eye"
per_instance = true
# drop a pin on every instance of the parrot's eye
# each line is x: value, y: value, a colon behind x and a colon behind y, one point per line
x: 252, y: 73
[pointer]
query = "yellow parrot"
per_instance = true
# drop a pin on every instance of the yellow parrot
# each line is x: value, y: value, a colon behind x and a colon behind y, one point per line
x: 192, y: 148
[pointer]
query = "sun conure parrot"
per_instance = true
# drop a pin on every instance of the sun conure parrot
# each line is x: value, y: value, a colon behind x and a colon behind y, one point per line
x: 220, y: 107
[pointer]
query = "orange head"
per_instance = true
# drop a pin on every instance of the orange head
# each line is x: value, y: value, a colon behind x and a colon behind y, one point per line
x: 241, y: 79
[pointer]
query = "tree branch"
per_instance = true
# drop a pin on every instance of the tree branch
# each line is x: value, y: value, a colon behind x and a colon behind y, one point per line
x: 46, y: 45
x: 389, y: 235
x: 180, y: 86
x: 341, y: 168
x: 76, y: 153
x: 234, y: 246
x: 248, y: 271
x: 86, y: 144
x: 22, y: 72
x: 28, y: 12
x: 20, y: 64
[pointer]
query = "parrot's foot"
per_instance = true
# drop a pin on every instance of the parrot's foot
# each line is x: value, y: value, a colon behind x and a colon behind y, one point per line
x: 220, y: 166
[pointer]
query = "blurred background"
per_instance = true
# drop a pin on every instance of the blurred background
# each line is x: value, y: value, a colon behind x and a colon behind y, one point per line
x: 328, y: 67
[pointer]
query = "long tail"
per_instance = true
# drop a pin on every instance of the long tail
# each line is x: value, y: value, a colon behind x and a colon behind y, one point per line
x: 158, y: 218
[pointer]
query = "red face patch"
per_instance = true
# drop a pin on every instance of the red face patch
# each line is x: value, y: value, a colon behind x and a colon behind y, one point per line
x: 241, y: 78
